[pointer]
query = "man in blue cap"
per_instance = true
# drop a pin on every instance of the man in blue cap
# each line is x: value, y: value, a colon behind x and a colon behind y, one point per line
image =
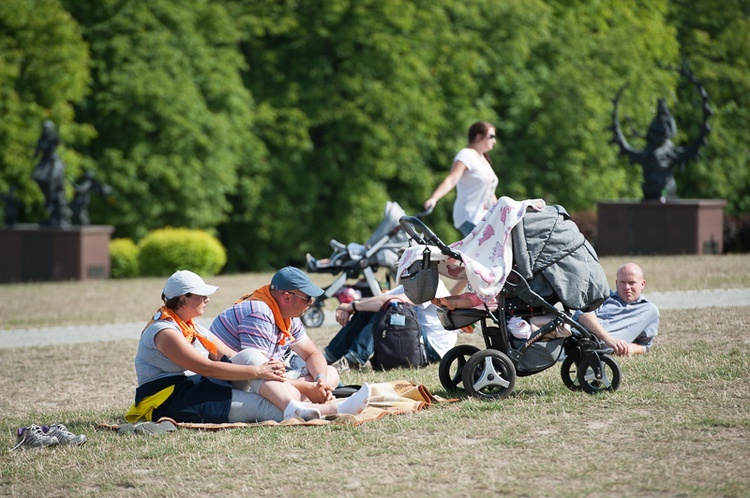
x: 265, y: 325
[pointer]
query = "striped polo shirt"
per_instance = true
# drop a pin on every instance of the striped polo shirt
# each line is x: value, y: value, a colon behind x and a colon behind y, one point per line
x: 250, y: 324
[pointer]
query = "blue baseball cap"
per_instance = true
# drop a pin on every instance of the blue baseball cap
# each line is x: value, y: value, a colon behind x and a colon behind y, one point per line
x: 291, y: 278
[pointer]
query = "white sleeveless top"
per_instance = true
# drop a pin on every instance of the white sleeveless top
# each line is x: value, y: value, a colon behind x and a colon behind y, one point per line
x: 475, y: 189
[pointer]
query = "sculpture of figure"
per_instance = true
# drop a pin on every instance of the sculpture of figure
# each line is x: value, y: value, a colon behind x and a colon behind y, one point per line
x: 50, y: 175
x: 660, y: 156
x: 85, y: 185
x: 13, y: 207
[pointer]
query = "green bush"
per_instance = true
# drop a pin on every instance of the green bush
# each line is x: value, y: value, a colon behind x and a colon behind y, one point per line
x: 164, y: 251
x: 123, y: 258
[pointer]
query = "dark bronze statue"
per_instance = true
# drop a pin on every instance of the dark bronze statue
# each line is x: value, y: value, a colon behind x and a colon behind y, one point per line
x: 84, y: 187
x: 13, y: 207
x: 660, y: 156
x: 50, y: 175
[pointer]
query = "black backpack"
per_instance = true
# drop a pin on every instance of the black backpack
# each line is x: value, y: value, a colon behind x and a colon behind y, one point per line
x: 397, y: 337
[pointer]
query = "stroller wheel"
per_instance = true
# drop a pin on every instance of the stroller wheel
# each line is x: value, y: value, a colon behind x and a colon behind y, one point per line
x: 489, y: 374
x: 452, y: 365
x: 609, y: 381
x: 569, y: 374
x: 313, y: 317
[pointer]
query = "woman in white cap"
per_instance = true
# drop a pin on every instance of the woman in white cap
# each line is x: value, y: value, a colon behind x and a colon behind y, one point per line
x: 185, y: 375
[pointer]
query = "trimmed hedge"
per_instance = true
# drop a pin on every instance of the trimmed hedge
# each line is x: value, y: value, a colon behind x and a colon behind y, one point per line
x: 164, y: 251
x: 123, y: 258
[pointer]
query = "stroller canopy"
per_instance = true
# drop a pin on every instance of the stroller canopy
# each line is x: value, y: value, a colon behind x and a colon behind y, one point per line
x: 551, y: 253
x: 391, y: 215
x: 386, y: 238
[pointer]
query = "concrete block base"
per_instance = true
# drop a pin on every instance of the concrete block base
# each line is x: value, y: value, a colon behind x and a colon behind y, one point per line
x: 682, y: 226
x: 38, y: 253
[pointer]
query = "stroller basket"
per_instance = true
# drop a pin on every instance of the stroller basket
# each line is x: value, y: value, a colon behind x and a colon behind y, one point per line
x: 421, y: 281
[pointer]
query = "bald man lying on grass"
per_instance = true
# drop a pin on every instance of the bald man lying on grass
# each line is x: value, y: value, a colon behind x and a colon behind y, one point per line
x: 626, y: 321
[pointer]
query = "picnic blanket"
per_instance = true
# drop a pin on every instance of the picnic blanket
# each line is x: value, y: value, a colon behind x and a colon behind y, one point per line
x: 387, y: 398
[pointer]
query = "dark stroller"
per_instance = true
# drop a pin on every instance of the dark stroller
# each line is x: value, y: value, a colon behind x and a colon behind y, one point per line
x: 554, y: 270
x: 359, y: 261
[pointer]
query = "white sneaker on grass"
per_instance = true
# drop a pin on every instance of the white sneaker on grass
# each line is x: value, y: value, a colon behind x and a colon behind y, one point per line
x: 34, y: 436
x: 64, y: 436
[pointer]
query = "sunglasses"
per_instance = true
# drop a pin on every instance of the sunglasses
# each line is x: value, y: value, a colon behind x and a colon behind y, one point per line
x: 307, y: 299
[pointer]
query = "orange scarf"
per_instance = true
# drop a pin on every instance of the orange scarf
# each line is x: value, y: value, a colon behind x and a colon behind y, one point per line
x: 284, y: 324
x: 188, y: 328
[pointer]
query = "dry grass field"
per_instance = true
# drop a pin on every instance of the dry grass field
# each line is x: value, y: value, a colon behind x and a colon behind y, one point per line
x: 678, y: 425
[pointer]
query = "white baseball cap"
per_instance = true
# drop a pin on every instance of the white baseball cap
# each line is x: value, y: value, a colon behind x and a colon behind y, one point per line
x: 183, y: 282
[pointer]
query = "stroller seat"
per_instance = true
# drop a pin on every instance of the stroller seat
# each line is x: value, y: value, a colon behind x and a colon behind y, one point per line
x: 341, y: 254
x: 459, y: 318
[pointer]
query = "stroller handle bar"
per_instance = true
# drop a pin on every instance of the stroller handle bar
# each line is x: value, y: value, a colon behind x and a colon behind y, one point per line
x: 411, y: 224
x: 425, y: 212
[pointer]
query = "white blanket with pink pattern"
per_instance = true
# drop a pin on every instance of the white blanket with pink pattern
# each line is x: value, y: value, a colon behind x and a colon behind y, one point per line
x: 487, y: 252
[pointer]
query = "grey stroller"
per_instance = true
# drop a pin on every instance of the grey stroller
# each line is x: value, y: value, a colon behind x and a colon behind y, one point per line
x: 554, y: 270
x: 359, y: 262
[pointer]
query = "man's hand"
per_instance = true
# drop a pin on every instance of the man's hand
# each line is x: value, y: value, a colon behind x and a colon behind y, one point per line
x: 318, y: 391
x: 344, y: 313
x: 591, y: 322
x: 634, y: 349
x: 621, y: 347
x: 272, y: 370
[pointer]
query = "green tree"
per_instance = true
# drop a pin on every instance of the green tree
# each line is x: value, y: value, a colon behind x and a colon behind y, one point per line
x: 44, y: 71
x: 350, y: 114
x: 173, y: 117
x: 714, y: 39
x: 380, y: 96
x: 557, y: 65
x: 284, y: 124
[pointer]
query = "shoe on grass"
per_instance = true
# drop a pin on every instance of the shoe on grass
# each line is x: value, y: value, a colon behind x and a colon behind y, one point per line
x: 154, y: 428
x: 345, y: 364
x: 33, y: 437
x: 341, y: 365
x: 64, y: 436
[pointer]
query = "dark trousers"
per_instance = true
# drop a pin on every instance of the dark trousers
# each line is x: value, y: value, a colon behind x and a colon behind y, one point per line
x: 354, y: 340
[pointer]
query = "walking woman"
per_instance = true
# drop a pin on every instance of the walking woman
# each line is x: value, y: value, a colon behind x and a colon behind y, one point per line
x: 473, y: 177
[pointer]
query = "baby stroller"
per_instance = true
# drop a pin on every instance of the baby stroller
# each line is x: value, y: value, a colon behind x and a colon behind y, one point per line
x: 359, y: 261
x: 549, y: 269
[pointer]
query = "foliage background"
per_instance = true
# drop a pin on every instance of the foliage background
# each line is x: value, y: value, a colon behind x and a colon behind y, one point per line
x: 280, y: 124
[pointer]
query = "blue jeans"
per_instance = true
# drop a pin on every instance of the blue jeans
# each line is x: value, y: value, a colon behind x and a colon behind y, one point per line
x: 432, y: 355
x: 354, y: 340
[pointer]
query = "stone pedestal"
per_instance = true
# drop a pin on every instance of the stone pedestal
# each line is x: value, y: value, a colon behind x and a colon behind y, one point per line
x: 38, y: 253
x: 682, y: 226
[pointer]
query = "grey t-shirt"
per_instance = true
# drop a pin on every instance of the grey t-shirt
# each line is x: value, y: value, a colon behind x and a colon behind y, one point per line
x: 151, y: 364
